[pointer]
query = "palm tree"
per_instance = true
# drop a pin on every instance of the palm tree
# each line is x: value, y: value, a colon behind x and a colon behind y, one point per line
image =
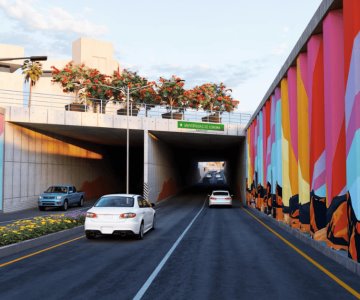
x: 32, y: 71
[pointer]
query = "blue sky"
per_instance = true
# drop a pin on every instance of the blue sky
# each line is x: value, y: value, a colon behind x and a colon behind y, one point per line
x: 241, y: 43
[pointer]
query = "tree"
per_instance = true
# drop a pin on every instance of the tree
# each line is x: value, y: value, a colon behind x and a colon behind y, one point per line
x: 88, y: 84
x: 141, y: 90
x: 32, y: 71
x: 171, y: 92
x: 215, y: 97
x: 72, y: 78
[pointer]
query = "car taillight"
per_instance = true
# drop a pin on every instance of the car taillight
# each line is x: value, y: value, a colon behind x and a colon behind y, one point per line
x: 91, y: 215
x: 212, y: 198
x: 228, y: 198
x: 128, y: 215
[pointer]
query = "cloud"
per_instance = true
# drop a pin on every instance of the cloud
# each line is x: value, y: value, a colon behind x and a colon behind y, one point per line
x: 53, y: 19
x: 232, y: 75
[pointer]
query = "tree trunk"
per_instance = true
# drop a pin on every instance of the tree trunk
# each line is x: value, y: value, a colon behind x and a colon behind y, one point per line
x: 29, y: 101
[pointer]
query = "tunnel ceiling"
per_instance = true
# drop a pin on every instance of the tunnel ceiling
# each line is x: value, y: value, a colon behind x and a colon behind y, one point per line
x: 198, y: 141
x: 95, y: 135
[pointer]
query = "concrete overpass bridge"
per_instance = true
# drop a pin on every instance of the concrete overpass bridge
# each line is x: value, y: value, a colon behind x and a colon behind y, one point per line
x: 46, y: 145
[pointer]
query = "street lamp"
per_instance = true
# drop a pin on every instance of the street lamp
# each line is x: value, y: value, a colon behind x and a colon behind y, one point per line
x: 32, y: 58
x: 126, y: 91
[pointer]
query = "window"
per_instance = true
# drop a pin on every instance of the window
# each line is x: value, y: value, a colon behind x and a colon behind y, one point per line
x: 115, y: 201
x: 221, y: 193
x: 57, y: 189
x: 74, y: 189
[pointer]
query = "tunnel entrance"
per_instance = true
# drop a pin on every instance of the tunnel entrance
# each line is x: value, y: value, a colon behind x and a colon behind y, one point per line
x: 104, y: 175
x: 174, y: 161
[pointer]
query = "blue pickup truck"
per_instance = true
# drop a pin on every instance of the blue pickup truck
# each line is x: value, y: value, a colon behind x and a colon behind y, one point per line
x: 61, y: 196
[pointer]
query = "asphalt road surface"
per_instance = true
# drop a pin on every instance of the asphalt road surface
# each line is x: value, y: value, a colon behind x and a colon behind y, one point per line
x: 224, y: 254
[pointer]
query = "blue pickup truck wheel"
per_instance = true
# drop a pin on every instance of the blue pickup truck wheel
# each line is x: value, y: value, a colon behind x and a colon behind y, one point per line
x: 81, y: 202
x: 65, y: 205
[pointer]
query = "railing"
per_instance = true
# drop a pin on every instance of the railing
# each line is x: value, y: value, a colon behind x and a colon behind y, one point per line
x: 53, y: 101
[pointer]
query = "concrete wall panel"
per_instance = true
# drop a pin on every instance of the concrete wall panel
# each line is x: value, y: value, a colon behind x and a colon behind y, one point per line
x: 161, y: 124
x: 89, y: 119
x: 38, y: 115
x: 72, y: 118
x: 19, y: 114
x: 9, y: 142
x: 120, y: 122
x: 8, y: 180
x: 105, y: 120
x: 56, y: 116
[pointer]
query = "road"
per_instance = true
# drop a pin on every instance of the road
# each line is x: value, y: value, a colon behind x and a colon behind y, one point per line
x: 225, y: 254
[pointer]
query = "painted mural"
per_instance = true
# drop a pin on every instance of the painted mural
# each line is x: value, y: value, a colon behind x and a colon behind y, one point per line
x: 2, y: 130
x: 303, y: 147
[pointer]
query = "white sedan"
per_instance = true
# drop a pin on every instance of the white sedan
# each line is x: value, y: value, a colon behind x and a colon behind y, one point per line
x: 220, y: 197
x: 120, y: 214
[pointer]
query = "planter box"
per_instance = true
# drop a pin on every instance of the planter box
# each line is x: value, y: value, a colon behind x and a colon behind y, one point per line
x: 174, y: 115
x: 212, y: 119
x: 77, y: 107
x: 132, y: 112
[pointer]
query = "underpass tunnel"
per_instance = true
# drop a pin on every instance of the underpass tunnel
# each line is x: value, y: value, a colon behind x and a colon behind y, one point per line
x: 161, y: 164
x: 91, y: 158
x: 172, y: 161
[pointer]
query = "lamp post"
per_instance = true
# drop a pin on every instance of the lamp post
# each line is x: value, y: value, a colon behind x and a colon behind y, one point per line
x: 126, y: 91
x: 31, y: 58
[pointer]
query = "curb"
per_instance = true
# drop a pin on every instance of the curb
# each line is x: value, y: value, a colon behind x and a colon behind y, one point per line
x: 335, y: 255
x: 24, y: 245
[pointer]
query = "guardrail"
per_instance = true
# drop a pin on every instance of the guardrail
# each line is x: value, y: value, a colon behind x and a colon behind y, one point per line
x: 58, y: 102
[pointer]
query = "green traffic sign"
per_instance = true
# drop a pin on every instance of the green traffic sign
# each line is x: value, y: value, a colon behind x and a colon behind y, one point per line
x: 200, y: 126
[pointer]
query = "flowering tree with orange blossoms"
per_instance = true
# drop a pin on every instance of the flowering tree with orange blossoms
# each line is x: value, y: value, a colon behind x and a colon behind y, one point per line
x: 89, y: 85
x: 214, y: 97
x: 141, y: 90
x: 171, y: 92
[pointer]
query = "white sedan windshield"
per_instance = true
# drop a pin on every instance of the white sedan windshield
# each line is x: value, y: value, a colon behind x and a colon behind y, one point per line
x: 115, y: 201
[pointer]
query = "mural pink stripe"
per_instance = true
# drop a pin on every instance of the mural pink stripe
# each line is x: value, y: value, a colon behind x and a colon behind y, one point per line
x: 334, y: 93
x: 319, y: 181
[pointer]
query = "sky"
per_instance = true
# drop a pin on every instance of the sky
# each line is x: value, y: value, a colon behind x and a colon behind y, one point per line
x: 240, y: 43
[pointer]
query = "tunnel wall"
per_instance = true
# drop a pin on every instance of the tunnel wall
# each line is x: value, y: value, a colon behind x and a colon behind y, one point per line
x: 313, y: 136
x: 240, y: 185
x: 159, y: 172
x: 33, y: 161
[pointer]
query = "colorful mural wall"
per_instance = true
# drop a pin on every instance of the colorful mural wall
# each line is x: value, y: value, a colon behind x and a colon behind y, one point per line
x: 304, y: 144
x: 2, y: 130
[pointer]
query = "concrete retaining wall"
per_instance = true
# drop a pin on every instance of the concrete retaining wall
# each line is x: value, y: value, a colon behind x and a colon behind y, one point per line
x: 159, y: 169
x: 33, y: 161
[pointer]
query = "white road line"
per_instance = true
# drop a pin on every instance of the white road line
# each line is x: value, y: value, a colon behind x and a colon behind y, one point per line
x: 153, y: 275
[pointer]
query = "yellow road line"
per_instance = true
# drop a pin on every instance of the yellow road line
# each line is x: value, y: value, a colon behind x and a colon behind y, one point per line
x: 308, y: 258
x: 38, y: 252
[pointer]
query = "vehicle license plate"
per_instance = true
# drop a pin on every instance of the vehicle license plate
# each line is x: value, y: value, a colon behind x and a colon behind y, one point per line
x: 107, y: 230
